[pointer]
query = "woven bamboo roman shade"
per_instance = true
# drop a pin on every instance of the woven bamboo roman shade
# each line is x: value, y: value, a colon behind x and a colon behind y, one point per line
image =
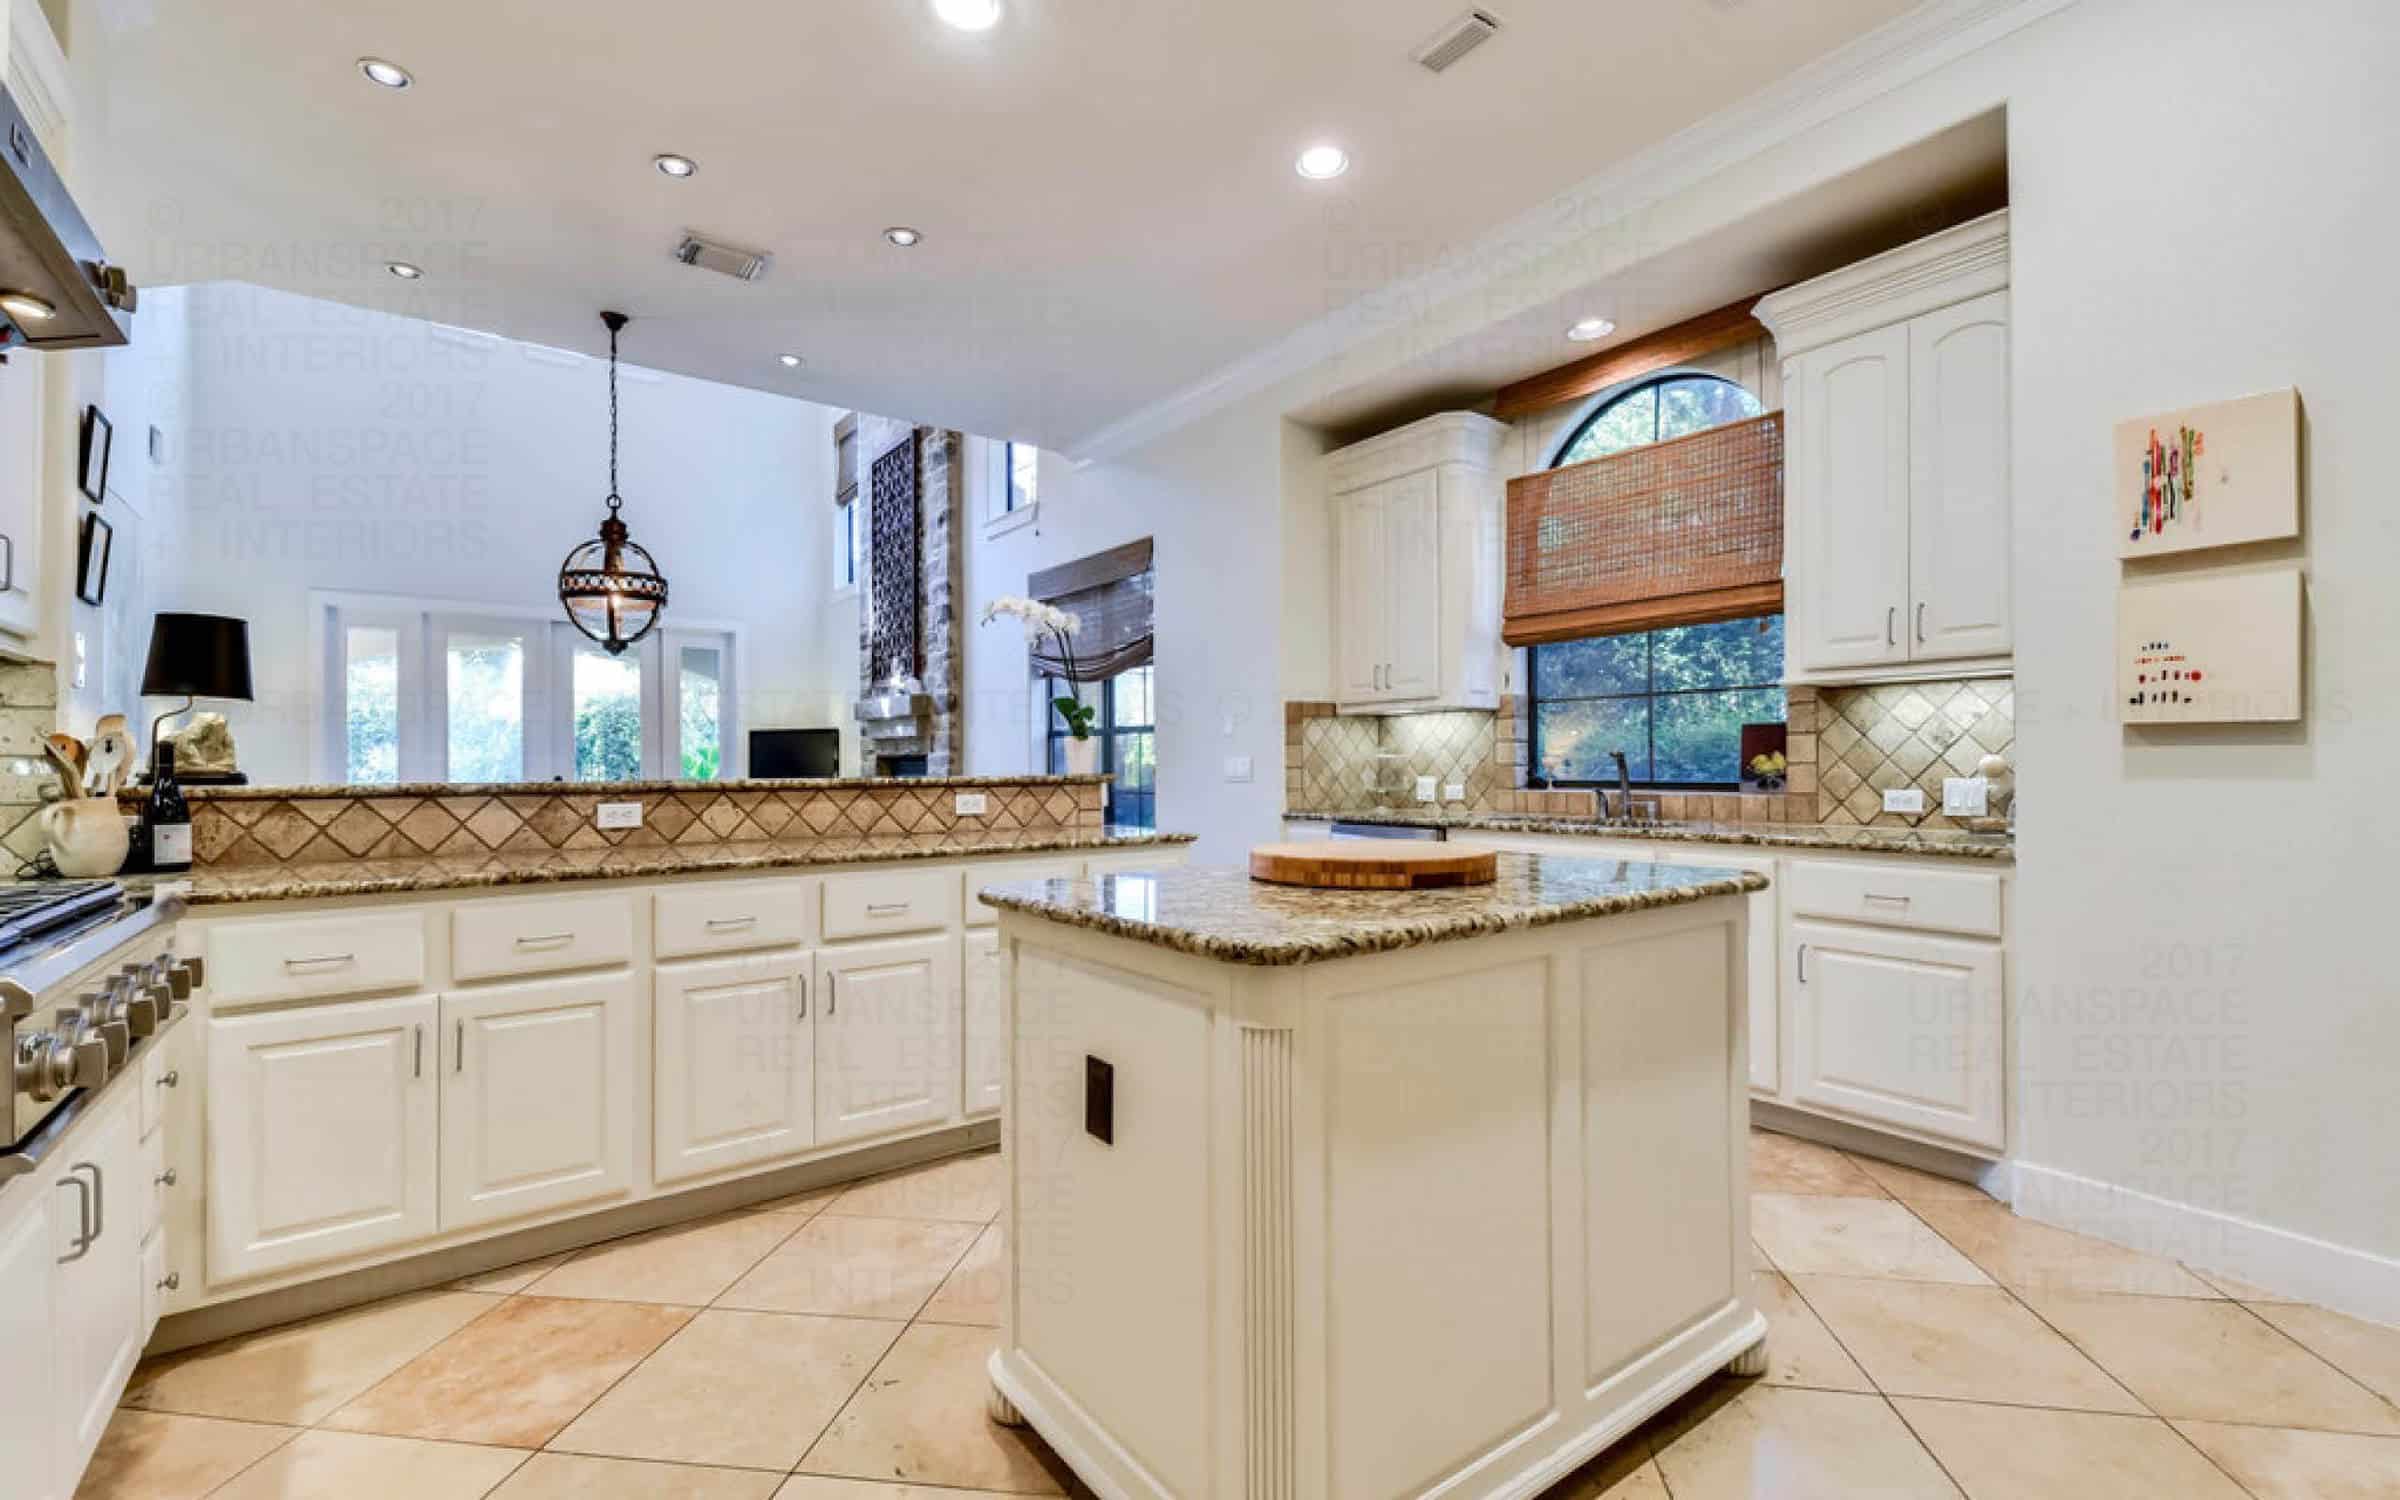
x: 1110, y: 592
x: 1675, y: 533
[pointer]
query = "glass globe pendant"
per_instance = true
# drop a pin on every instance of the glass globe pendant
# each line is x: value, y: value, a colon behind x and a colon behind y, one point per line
x: 611, y: 588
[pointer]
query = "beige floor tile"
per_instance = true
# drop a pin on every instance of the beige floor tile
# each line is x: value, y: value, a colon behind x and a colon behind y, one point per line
x: 2368, y: 1352
x: 2238, y: 1289
x: 2278, y: 1463
x: 356, y: 1466
x: 1912, y: 1187
x: 515, y: 1278
x: 1623, y: 1472
x: 2044, y: 1258
x: 1787, y: 1164
x: 2013, y: 1453
x: 300, y: 1373
x: 2214, y: 1361
x: 1800, y: 1350
x: 1777, y: 1443
x: 688, y: 1264
x: 162, y: 1456
x: 515, y: 1376
x: 805, y: 1205
x: 920, y: 1420
x: 1965, y: 1343
x: 842, y: 1265
x: 739, y: 1389
x: 977, y: 1288
x: 966, y: 1189
x: 573, y: 1476
x: 1854, y: 1237
x: 823, y: 1487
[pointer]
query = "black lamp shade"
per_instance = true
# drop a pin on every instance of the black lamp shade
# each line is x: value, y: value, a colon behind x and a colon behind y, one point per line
x: 198, y: 656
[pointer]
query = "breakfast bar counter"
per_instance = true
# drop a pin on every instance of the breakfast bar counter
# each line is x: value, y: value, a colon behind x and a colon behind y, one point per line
x: 1323, y: 1194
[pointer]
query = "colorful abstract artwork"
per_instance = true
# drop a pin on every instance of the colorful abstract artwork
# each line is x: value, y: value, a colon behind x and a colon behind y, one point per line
x: 2210, y: 649
x: 2210, y: 476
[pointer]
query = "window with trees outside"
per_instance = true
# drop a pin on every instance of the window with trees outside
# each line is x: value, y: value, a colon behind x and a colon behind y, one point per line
x: 1128, y: 734
x: 1672, y: 701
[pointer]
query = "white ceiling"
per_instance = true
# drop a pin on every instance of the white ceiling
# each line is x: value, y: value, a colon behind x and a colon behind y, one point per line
x: 1105, y: 186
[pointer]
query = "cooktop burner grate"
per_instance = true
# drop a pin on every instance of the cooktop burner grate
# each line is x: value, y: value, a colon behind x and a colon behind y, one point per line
x: 29, y: 910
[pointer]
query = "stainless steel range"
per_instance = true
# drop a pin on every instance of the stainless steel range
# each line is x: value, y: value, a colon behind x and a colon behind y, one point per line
x: 88, y: 976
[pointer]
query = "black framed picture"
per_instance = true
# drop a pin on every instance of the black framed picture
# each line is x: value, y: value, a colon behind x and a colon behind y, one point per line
x: 98, y: 435
x: 91, y: 571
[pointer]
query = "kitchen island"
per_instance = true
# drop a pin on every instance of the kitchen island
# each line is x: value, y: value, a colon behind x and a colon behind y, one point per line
x: 1323, y: 1195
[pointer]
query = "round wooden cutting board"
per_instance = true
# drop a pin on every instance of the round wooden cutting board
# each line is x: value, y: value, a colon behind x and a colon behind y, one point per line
x: 1371, y: 866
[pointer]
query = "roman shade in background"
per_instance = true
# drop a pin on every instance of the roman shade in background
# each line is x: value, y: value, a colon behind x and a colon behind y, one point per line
x: 1683, y: 532
x: 1110, y: 592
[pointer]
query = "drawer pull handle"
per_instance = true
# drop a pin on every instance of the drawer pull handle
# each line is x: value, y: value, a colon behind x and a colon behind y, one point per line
x: 802, y: 981
x: 172, y: 1281
x: 1800, y: 964
x: 1886, y: 900
x: 84, y: 1234
x: 886, y: 908
x: 1891, y: 626
x: 831, y: 994
x: 730, y: 924
x: 546, y: 940
x: 321, y: 961
x: 416, y: 1065
x: 169, y: 1079
x: 459, y: 1048
x: 1920, y: 624
x: 166, y: 1178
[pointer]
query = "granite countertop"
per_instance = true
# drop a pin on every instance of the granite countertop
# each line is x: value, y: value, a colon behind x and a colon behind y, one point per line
x: 1948, y: 843
x: 218, y: 793
x: 379, y: 877
x: 1224, y: 915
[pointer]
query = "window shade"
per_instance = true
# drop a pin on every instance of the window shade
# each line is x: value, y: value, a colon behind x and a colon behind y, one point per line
x: 1111, y: 593
x: 1675, y: 533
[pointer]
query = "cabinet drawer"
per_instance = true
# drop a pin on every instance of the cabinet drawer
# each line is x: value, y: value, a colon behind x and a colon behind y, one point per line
x: 733, y: 916
x: 870, y: 905
x: 297, y: 957
x: 154, y: 1172
x: 492, y: 939
x: 153, y: 1102
x: 1008, y: 872
x: 1929, y: 900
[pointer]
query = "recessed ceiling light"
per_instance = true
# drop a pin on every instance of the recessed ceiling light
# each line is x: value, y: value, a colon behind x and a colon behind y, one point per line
x: 790, y: 361
x: 969, y: 15
x: 390, y: 74
x: 26, y: 307
x: 404, y: 270
x: 902, y: 235
x: 675, y: 166
x: 1321, y: 162
x: 1584, y: 330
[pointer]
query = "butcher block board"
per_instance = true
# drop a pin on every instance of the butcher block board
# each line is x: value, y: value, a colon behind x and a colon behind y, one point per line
x: 1373, y: 866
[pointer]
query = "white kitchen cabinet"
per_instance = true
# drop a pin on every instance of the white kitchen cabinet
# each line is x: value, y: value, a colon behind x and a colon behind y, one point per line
x: 98, y: 1212
x: 1416, y: 546
x: 537, y: 1097
x: 29, y: 1254
x: 323, y: 1137
x: 1896, y: 460
x: 1904, y: 1029
x: 734, y: 1075
x: 887, y: 1036
x: 21, y: 460
x: 985, y: 1054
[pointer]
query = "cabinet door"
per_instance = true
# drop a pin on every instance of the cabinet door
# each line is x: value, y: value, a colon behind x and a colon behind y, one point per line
x: 1762, y: 980
x: 887, y: 1036
x: 1899, y: 1029
x: 30, y: 1245
x: 537, y: 1097
x: 1958, y: 489
x: 985, y: 976
x: 321, y: 1133
x: 1848, y: 468
x: 1412, y: 586
x: 20, y: 495
x: 1360, y: 618
x: 96, y: 1284
x: 734, y: 1080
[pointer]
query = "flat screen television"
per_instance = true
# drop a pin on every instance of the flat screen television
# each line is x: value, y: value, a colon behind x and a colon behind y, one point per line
x: 795, y: 752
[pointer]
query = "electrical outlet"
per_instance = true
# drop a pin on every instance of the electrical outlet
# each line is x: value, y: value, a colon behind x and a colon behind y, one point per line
x: 971, y: 804
x: 1237, y: 768
x: 1425, y: 788
x: 1903, y: 799
x: 1965, y: 796
x: 1456, y: 791
x: 618, y: 815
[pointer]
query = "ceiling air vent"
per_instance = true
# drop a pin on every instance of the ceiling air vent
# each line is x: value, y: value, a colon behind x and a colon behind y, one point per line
x: 724, y: 259
x: 1457, y: 39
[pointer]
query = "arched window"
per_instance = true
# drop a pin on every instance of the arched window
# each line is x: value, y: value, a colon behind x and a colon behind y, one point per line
x: 1671, y: 406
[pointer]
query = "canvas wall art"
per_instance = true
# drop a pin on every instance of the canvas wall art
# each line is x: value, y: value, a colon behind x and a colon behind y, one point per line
x: 2208, y: 476
x: 2221, y: 648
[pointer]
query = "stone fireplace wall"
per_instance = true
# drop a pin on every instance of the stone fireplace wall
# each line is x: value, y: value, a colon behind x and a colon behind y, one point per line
x: 940, y: 511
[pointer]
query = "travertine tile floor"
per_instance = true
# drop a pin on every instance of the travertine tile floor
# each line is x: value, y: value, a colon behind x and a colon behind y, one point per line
x: 831, y: 1347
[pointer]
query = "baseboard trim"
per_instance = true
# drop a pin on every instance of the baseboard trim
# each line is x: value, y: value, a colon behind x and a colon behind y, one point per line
x: 2280, y: 1261
x: 1991, y: 1176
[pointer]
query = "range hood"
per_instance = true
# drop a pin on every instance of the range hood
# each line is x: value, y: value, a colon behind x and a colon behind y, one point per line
x: 49, y: 257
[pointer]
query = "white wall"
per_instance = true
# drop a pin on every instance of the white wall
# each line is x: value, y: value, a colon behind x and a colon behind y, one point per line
x: 326, y: 447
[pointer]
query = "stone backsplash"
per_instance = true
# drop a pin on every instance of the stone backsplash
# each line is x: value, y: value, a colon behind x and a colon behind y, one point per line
x: 28, y: 713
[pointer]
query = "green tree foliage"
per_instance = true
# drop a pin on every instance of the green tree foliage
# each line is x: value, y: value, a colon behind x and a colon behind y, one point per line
x: 1673, y: 700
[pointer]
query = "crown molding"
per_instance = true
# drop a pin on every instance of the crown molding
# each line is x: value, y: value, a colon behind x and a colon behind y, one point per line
x: 1889, y: 57
x: 35, y: 70
x: 1966, y: 260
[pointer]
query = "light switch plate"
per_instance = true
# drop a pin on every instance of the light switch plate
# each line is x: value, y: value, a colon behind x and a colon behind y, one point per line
x: 1903, y: 799
x: 1966, y: 796
x: 1456, y: 791
x: 1237, y: 768
x: 1425, y: 789
x: 971, y: 805
x: 618, y: 815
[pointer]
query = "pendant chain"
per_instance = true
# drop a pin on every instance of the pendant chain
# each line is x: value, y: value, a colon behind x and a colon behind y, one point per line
x: 615, y: 502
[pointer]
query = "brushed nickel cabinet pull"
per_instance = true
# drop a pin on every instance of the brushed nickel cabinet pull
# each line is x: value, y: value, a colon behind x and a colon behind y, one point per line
x: 1887, y: 900
x: 99, y: 1197
x: 1920, y: 624
x: 546, y: 940
x: 416, y: 1065
x: 166, y: 1178
x: 1891, y: 625
x: 831, y: 994
x: 322, y: 960
x: 459, y: 1048
x: 802, y: 981
x: 730, y: 924
x: 1800, y: 965
x: 84, y: 1234
x: 886, y: 908
x: 172, y: 1281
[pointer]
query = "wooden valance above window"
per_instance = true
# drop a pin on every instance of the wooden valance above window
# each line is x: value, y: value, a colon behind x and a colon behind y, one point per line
x: 1683, y: 532
x: 1110, y: 592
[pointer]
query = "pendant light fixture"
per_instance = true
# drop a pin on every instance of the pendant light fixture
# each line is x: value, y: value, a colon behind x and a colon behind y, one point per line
x: 613, y: 592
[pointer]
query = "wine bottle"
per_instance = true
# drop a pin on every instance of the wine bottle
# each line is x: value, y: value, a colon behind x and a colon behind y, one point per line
x: 168, y: 818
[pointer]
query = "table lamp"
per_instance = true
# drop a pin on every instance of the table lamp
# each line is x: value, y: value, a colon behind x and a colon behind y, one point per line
x: 197, y: 656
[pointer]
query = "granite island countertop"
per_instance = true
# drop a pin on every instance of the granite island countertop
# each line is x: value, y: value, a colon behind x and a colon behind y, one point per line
x: 379, y: 877
x: 1223, y: 914
x: 1946, y: 843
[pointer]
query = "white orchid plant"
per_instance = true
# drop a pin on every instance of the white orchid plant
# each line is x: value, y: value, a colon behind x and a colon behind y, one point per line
x: 1049, y: 620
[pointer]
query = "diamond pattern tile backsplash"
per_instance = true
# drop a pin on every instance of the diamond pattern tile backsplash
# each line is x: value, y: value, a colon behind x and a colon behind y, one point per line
x: 1896, y: 735
x: 1357, y: 763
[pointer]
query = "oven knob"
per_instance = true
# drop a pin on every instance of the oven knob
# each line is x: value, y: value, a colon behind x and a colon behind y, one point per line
x: 188, y: 976
x: 36, y: 1077
x: 116, y: 1039
x: 145, y: 1011
x: 87, y: 1061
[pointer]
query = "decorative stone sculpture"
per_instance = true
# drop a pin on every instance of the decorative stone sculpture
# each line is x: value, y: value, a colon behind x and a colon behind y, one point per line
x: 204, y: 747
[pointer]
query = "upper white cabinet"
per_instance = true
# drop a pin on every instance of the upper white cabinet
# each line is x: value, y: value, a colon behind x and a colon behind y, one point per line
x: 21, y: 408
x: 1896, y: 459
x: 1416, y: 545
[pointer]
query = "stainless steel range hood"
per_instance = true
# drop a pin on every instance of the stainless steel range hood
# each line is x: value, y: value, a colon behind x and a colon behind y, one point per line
x: 49, y: 257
